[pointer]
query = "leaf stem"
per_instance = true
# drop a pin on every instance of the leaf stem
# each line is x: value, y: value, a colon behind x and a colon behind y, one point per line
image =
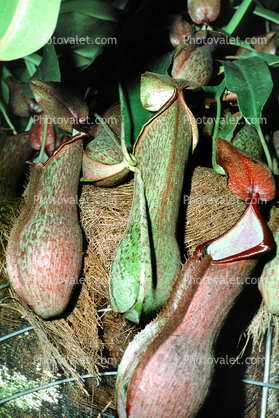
x: 29, y: 124
x: 265, y: 147
x: 267, y: 14
x: 3, y: 110
x: 218, y: 169
x: 40, y: 158
x: 237, y: 17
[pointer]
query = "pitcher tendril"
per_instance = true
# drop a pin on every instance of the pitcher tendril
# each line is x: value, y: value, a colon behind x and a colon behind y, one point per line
x: 40, y: 159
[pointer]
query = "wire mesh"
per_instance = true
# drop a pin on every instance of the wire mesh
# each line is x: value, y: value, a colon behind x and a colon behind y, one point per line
x: 265, y: 384
x: 83, y: 377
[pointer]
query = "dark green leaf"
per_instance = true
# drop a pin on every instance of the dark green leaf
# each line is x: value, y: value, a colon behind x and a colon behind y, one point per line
x: 268, y: 58
x: 98, y: 9
x: 251, y: 81
x: 84, y: 35
x: 80, y: 62
x: 120, y: 4
x: 228, y: 125
x: 34, y: 59
x: 48, y: 70
x: 162, y: 65
x: 239, y: 42
x: 4, y: 86
x: 60, y: 131
x: 135, y: 115
x: 217, y: 91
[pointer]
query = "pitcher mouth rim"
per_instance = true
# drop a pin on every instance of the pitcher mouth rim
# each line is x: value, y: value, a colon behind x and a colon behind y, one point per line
x: 80, y: 135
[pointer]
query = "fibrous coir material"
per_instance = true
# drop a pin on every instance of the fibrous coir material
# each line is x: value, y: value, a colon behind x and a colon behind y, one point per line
x: 85, y: 340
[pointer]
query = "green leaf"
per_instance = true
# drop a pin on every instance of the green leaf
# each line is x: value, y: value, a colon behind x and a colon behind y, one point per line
x: 217, y: 91
x: 4, y: 86
x: 120, y: 4
x: 268, y: 58
x: 84, y: 36
x: 62, y: 133
x: 31, y: 68
x: 228, y: 125
x: 48, y: 70
x: 98, y: 9
x: 162, y: 65
x: 81, y: 62
x: 5, y: 72
x: 239, y: 42
x: 135, y: 114
x: 5, y: 91
x: 25, y: 26
x: 251, y: 81
x: 34, y: 59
